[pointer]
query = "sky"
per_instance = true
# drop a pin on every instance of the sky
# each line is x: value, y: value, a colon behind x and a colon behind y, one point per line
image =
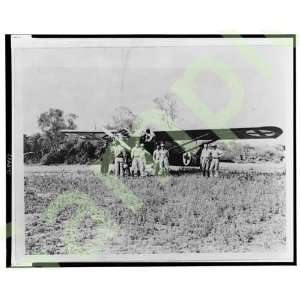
x: 93, y: 81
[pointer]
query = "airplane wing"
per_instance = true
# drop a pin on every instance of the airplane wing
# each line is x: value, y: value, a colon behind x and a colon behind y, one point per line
x: 175, y: 136
x: 88, y: 135
x: 266, y: 132
x: 100, y: 136
x: 104, y: 137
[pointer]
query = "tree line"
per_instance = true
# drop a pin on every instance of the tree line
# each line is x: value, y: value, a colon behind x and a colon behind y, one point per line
x: 50, y: 146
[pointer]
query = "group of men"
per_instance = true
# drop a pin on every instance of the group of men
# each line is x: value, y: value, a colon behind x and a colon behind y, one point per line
x: 134, y: 162
x: 210, y: 160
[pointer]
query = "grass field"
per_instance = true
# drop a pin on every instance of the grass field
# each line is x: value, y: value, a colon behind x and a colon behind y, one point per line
x: 71, y: 209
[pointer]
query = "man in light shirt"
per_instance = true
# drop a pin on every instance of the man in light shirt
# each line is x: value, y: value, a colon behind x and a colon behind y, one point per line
x: 142, y: 159
x: 156, y: 160
x: 216, y: 154
x: 135, y: 159
x: 119, y: 160
x: 163, y: 160
x: 205, y: 160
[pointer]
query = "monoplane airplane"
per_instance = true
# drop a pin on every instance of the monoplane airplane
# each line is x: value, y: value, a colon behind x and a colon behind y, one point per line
x: 180, y: 143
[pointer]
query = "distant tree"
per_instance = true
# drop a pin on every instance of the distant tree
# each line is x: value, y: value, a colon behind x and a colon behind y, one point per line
x: 55, y: 120
x: 51, y: 122
x: 70, y: 120
x: 123, y: 117
x: 168, y: 105
x: 43, y: 143
x: 33, y: 147
x: 26, y: 144
x: 52, y: 147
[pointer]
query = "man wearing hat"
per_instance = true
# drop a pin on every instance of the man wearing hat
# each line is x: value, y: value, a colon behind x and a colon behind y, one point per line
x: 205, y: 160
x: 163, y: 160
x: 106, y: 159
x: 138, y: 156
x: 216, y: 154
x: 119, y: 160
x: 135, y: 159
x: 142, y: 159
x: 156, y: 160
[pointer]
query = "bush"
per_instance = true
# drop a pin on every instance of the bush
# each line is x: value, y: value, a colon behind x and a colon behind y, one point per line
x: 53, y: 157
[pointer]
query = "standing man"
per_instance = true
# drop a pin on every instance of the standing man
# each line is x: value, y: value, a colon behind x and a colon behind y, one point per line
x: 142, y: 159
x: 119, y: 160
x: 156, y: 160
x: 216, y: 154
x: 163, y: 160
x: 135, y: 159
x: 127, y: 162
x: 205, y: 160
x: 106, y: 159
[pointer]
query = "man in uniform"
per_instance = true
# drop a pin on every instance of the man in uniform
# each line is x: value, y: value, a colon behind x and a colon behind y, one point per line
x: 205, y: 160
x: 142, y: 159
x: 106, y: 159
x: 216, y: 154
x: 163, y: 160
x: 119, y: 160
x: 127, y: 161
x: 156, y: 160
x: 135, y: 159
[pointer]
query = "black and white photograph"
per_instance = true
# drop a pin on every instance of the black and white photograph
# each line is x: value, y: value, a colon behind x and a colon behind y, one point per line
x: 152, y: 149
